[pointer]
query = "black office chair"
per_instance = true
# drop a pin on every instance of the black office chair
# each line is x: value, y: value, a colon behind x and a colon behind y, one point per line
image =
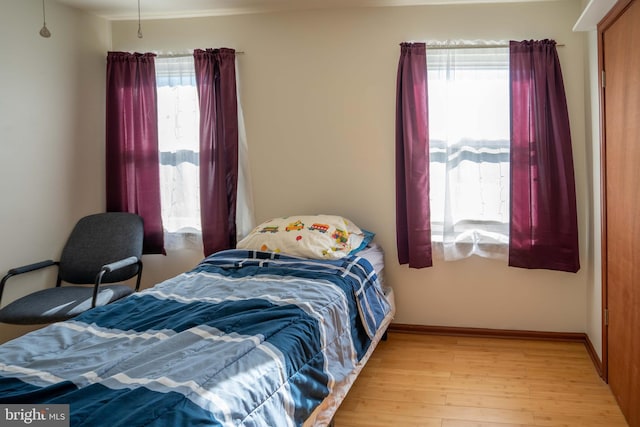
x: 102, y: 248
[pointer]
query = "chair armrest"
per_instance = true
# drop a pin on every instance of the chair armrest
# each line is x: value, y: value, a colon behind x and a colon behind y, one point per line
x: 117, y: 265
x: 22, y: 270
x: 30, y: 267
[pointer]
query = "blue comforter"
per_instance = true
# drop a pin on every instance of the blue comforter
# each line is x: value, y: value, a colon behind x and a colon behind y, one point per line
x: 245, y: 338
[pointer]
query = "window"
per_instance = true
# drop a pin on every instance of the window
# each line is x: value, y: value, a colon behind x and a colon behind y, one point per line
x: 178, y: 141
x: 469, y: 138
x: 179, y: 146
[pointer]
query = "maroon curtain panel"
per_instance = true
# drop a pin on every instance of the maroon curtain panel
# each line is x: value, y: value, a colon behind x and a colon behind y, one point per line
x: 132, y: 162
x: 544, y: 226
x: 413, y: 217
x: 216, y: 83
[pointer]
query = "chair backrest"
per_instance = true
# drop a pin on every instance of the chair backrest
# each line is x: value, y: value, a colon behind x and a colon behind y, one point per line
x: 100, y: 239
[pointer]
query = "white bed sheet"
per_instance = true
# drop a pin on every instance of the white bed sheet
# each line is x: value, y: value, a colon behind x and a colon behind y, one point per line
x: 375, y: 255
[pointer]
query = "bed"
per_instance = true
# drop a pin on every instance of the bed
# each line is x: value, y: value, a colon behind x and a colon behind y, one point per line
x: 247, y: 337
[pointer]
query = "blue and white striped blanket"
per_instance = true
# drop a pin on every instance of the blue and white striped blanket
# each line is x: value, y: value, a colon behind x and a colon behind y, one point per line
x: 245, y: 338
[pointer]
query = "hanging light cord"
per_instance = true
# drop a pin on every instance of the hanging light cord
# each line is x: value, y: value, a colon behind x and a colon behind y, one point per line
x: 139, y: 24
x: 44, y: 31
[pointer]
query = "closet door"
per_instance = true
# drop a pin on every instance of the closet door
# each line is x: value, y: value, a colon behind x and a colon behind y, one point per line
x: 620, y: 59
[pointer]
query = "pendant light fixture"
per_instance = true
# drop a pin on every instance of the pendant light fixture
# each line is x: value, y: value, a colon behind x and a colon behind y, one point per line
x: 139, y: 25
x: 44, y: 31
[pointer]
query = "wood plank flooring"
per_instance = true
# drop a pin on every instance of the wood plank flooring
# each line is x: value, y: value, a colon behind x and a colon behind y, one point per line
x: 442, y: 381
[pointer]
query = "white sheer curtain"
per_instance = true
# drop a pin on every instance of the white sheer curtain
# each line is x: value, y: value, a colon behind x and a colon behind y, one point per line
x: 178, y: 130
x: 178, y: 124
x: 245, y: 218
x: 469, y: 135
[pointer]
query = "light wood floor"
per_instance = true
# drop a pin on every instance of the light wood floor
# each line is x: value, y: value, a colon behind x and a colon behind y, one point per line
x: 437, y: 381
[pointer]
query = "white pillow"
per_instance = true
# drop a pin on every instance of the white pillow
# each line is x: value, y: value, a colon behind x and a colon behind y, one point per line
x: 307, y: 236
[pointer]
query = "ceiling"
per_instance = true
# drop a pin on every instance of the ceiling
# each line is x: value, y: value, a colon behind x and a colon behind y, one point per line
x: 160, y: 9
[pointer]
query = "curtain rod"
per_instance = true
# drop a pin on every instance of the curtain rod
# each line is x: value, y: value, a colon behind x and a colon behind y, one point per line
x: 472, y: 46
x: 184, y: 55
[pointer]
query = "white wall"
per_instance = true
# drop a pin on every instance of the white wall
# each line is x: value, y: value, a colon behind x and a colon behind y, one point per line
x: 318, y: 95
x: 319, y: 102
x: 51, y: 133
